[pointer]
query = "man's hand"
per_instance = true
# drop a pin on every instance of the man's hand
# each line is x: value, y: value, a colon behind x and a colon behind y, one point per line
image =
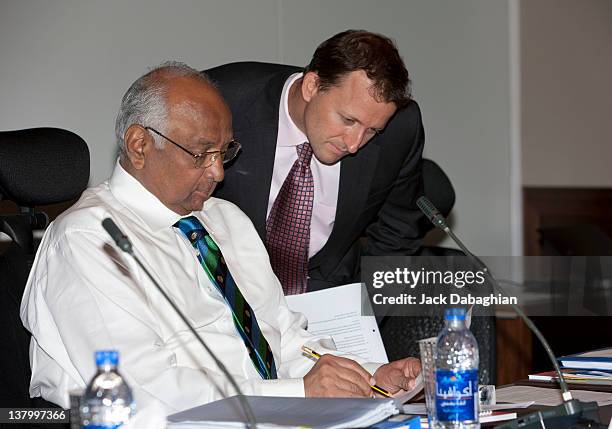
x: 398, y: 375
x: 337, y: 376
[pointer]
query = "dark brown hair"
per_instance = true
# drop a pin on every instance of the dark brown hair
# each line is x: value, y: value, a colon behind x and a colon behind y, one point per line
x: 354, y: 50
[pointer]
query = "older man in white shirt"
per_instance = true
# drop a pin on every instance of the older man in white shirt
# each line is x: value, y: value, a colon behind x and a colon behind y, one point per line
x: 174, y: 132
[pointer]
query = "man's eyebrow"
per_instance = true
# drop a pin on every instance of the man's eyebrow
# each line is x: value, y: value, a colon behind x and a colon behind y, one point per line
x: 352, y: 118
x: 203, y: 145
x: 206, y: 145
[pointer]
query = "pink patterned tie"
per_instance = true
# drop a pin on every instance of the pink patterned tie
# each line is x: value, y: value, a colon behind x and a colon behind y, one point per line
x: 288, y: 225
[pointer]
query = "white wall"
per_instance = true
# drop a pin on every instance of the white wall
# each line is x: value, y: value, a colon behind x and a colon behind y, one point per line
x: 67, y: 63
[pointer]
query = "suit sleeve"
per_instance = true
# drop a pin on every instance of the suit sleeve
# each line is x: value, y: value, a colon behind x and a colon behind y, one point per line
x: 398, y: 229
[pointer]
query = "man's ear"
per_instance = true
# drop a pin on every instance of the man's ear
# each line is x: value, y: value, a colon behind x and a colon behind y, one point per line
x: 137, y: 141
x: 310, y: 85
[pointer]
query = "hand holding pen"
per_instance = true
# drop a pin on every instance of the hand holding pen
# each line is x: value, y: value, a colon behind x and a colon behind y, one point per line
x: 339, y: 377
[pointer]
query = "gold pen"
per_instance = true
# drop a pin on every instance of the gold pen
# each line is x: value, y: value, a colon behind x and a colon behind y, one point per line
x: 310, y: 352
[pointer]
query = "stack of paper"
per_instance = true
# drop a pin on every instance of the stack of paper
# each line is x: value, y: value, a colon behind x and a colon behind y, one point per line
x: 275, y: 412
x: 596, y: 359
x: 549, y: 397
x: 583, y: 376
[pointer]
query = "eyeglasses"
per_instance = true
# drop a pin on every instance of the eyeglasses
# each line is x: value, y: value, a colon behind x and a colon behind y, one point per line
x: 206, y: 159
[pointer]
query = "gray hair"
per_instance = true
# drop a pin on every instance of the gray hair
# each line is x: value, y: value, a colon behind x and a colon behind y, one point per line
x: 144, y: 103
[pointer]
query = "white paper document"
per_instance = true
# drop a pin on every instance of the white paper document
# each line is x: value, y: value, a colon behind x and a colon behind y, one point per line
x: 550, y: 397
x: 275, y: 412
x: 336, y: 311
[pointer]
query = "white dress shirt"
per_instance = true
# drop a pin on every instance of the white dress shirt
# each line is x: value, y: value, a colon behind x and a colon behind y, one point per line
x: 326, y: 177
x: 83, y: 295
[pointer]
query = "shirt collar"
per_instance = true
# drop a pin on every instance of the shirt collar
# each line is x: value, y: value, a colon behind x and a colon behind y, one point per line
x: 293, y: 136
x: 135, y: 197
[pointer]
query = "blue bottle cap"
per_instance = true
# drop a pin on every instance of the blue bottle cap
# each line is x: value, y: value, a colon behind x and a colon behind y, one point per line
x: 454, y: 314
x: 107, y: 357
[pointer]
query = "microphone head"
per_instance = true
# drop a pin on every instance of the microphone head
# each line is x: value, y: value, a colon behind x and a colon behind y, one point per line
x: 118, y: 237
x: 427, y: 207
x: 431, y: 212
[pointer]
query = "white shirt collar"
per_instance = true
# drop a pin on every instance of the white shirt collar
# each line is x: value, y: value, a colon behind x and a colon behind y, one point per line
x: 133, y: 195
x: 292, y: 135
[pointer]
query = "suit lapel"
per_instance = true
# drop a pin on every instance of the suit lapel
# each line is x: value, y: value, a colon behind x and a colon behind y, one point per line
x: 257, y: 166
x: 260, y: 132
x: 356, y: 173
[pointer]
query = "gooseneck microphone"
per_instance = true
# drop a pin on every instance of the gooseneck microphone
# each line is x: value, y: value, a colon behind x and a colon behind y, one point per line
x: 571, y: 409
x: 439, y: 221
x: 124, y: 243
x: 120, y: 240
x: 432, y: 213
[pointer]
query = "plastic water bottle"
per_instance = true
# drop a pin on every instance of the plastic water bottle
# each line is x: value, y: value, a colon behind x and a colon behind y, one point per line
x: 107, y: 402
x: 456, y: 374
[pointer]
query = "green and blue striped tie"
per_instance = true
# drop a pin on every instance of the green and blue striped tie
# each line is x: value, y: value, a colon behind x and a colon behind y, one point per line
x: 212, y: 261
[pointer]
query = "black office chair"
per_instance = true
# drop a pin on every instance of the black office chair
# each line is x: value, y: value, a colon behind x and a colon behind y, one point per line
x: 400, y: 333
x: 38, y: 166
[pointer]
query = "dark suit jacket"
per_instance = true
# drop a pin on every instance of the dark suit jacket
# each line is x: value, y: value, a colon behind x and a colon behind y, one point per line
x: 379, y: 184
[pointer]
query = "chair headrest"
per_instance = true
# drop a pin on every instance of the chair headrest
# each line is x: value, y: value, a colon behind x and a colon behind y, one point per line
x: 438, y: 187
x: 41, y: 166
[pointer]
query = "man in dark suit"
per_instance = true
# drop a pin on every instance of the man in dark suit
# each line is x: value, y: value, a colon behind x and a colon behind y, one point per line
x: 357, y: 189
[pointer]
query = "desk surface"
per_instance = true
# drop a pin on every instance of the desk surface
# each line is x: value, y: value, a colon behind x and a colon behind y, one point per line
x: 605, y: 412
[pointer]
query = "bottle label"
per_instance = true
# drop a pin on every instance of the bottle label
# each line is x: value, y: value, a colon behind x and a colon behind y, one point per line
x: 457, y: 395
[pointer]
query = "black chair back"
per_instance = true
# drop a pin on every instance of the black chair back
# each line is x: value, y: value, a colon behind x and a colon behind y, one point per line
x: 39, y: 166
x: 401, y: 333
